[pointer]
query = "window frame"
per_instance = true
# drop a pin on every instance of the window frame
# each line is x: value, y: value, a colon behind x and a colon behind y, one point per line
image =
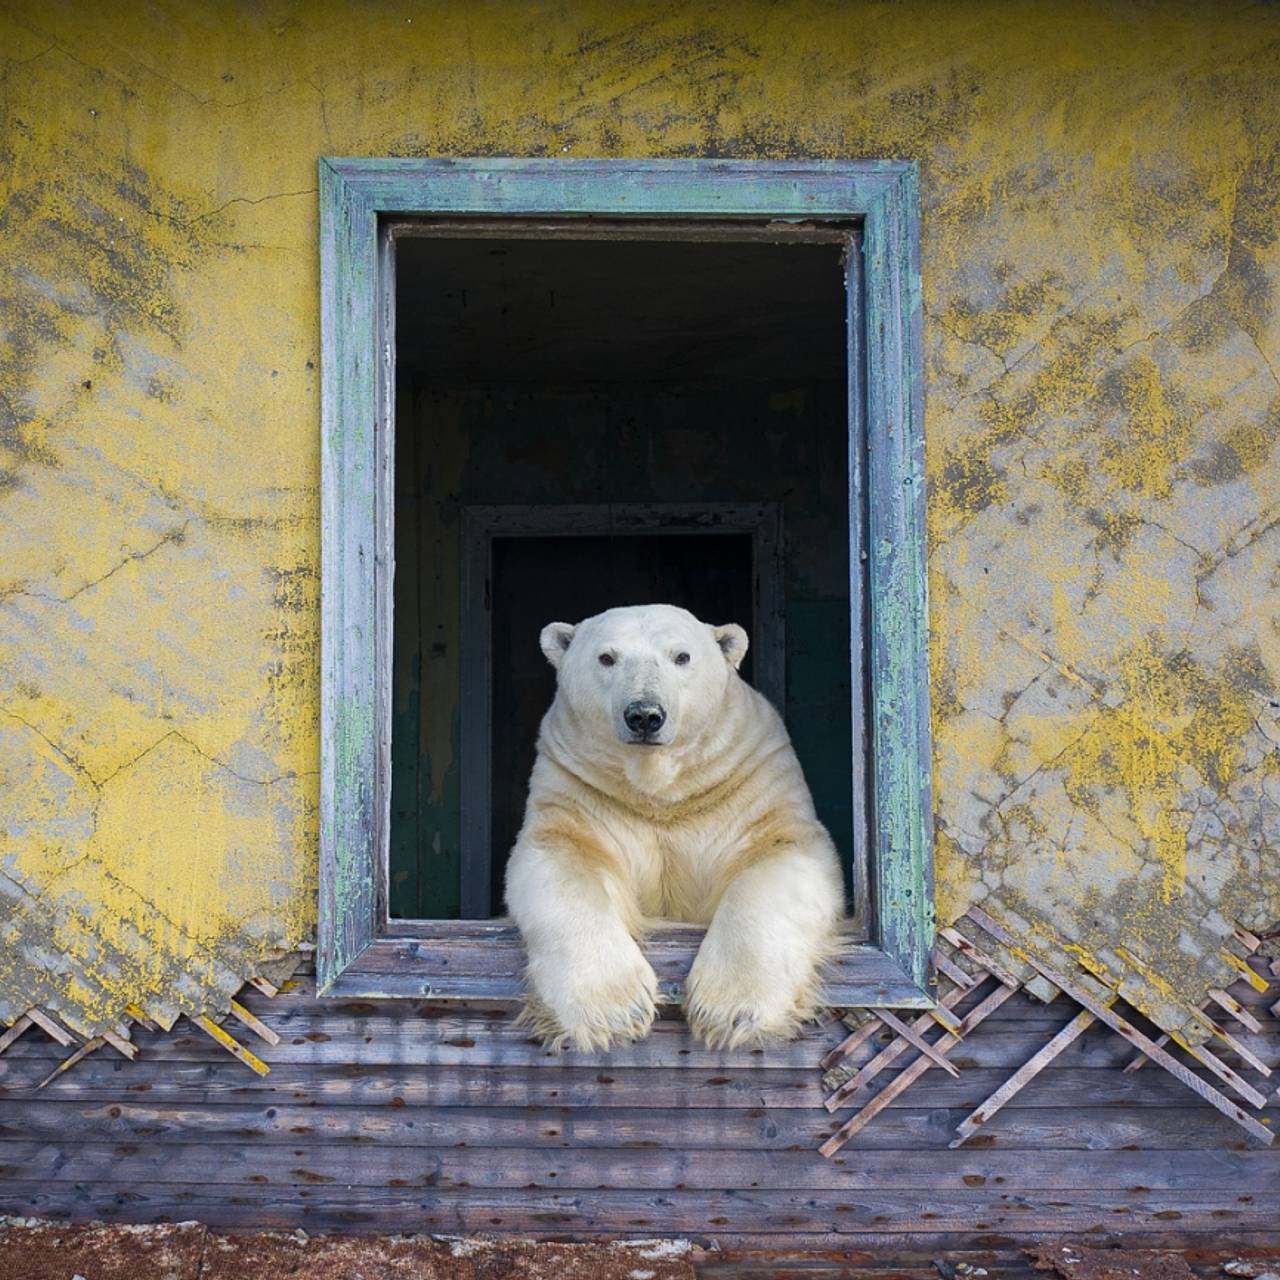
x: 360, y: 952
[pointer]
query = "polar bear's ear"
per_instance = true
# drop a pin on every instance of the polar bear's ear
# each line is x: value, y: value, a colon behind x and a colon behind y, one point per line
x: 555, y: 640
x: 733, y: 643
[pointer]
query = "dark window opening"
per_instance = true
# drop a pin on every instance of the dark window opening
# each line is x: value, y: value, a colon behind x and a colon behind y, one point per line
x: 654, y: 378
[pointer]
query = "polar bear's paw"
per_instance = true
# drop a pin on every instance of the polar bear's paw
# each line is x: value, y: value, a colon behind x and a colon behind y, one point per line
x: 595, y: 1012
x: 746, y: 1010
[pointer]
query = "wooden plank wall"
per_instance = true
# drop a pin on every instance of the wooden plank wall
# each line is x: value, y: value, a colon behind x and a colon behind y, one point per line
x: 393, y: 1116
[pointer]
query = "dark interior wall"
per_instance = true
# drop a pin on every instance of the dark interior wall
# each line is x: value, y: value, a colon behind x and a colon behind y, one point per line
x: 552, y: 373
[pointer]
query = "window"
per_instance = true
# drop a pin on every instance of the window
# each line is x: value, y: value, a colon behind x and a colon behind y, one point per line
x: 550, y: 387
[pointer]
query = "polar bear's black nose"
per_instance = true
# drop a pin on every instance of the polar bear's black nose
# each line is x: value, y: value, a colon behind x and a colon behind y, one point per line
x: 644, y: 717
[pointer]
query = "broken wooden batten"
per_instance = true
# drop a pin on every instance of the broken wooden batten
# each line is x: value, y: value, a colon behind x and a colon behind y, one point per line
x: 957, y: 948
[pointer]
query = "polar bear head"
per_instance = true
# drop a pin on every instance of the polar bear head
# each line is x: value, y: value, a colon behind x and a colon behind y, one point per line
x: 648, y: 676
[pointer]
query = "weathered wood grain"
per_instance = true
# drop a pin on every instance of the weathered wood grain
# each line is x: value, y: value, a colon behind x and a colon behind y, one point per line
x: 1135, y: 1037
x: 89, y: 1046
x: 489, y: 966
x: 651, y: 1087
x: 15, y: 1031
x: 349, y: 791
x: 50, y: 1026
x: 513, y: 1168
x: 1022, y: 1009
x: 1023, y: 1076
x: 665, y: 1138
x: 820, y: 1216
x: 476, y: 1044
x: 853, y: 1052
x: 903, y: 1081
x: 1024, y: 1129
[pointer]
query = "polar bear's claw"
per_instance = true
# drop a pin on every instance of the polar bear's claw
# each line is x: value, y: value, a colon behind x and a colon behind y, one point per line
x: 737, y: 1028
x: 592, y: 1020
x: 745, y: 1009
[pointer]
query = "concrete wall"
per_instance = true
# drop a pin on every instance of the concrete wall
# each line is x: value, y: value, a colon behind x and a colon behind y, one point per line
x: 1101, y: 203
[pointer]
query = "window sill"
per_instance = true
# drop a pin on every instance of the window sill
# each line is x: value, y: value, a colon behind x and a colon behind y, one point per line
x: 484, y: 960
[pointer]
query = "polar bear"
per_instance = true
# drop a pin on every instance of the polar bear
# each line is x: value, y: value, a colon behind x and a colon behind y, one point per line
x: 665, y: 787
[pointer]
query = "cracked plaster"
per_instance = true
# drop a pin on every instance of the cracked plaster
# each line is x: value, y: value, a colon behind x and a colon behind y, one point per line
x: 1100, y: 264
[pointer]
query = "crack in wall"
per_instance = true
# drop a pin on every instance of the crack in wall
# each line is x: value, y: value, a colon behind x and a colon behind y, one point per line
x: 176, y: 535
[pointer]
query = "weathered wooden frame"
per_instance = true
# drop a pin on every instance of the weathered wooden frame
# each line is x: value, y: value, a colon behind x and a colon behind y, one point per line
x: 358, y: 952
x: 761, y: 521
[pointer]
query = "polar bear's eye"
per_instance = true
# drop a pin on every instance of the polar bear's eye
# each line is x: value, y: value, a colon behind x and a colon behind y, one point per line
x: 682, y: 659
x: 606, y: 659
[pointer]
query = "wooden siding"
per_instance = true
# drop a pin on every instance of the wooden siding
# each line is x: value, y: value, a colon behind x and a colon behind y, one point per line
x: 398, y: 1116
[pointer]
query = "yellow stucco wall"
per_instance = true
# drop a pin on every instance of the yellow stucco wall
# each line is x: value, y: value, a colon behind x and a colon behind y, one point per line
x: 1101, y: 187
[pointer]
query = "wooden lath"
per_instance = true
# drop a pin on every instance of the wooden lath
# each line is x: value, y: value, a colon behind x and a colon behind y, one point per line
x: 1122, y: 1027
x: 907, y: 1077
x: 82, y: 1046
x: 961, y: 987
x: 19, y: 1026
x: 979, y: 950
x: 846, y: 1083
x: 1023, y: 1076
x: 1228, y: 1003
x: 67, y: 1063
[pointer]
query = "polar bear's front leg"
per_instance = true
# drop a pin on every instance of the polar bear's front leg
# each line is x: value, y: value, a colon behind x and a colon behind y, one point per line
x: 589, y: 983
x: 757, y: 976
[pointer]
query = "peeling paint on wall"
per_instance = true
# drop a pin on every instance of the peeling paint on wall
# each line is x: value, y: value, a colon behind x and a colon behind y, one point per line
x: 1100, y: 269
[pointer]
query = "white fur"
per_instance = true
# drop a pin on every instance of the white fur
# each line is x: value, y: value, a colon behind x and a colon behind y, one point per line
x: 711, y: 825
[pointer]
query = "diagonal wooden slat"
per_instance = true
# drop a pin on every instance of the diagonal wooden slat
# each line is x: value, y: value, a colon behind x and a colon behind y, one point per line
x: 948, y: 968
x: 1255, y: 980
x: 230, y: 1044
x: 911, y: 1074
x: 140, y: 1018
x: 980, y: 957
x: 51, y: 1027
x: 1022, y: 1077
x: 37, y: 1017
x: 1233, y: 1006
x: 1250, y: 941
x: 860, y: 1034
x: 942, y: 1015
x: 1142, y: 1060
x: 70, y: 1061
x: 1207, y: 1058
x: 1244, y: 1052
x: 21, y: 1025
x: 126, y: 1048
x: 1247, y: 1054
x: 1126, y: 1029
x: 894, y: 1023
x: 1228, y: 1002
x: 256, y: 1025
x: 869, y: 1070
